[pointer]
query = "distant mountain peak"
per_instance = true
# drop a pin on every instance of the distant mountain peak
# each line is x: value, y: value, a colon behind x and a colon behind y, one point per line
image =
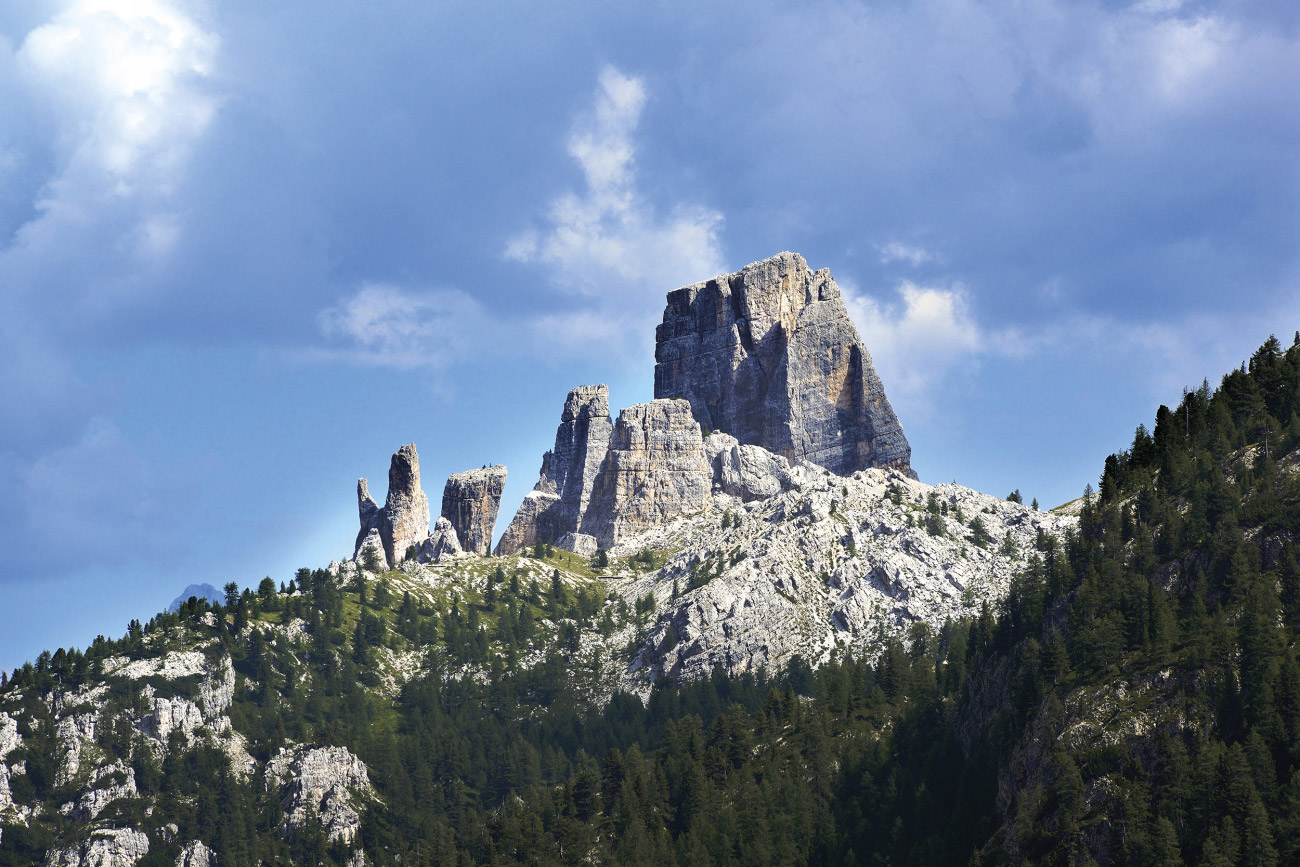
x: 202, y: 591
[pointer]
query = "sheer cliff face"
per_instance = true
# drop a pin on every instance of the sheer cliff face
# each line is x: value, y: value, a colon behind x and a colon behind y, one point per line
x: 769, y: 355
x: 559, y: 500
x: 470, y: 502
x: 655, y: 470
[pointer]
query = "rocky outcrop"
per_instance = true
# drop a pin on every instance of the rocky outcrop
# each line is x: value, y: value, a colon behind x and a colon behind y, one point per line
x: 559, y: 500
x: 403, y: 522
x: 470, y: 501
x: 176, y: 713
x: 196, y: 855
x: 108, y: 783
x: 769, y: 355
x: 834, y: 564
x: 9, y: 742
x: 655, y: 470
x: 442, y: 542
x: 405, y: 519
x: 371, y: 550
x: 322, y: 781
x: 369, y: 514
x: 579, y: 543
x: 745, y: 472
x: 531, y: 523
x: 107, y: 847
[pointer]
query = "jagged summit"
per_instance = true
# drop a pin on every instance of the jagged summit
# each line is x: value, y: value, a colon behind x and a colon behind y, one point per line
x: 769, y: 355
x: 404, y: 519
x: 400, y: 530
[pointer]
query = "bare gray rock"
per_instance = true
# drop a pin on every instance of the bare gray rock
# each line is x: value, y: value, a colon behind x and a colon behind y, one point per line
x: 533, y: 513
x: 769, y: 355
x: 835, y: 564
x: 10, y: 740
x: 563, y: 491
x: 579, y: 543
x: 470, y: 501
x: 106, y: 847
x: 655, y: 471
x: 369, y: 514
x: 745, y: 472
x: 325, y: 781
x: 403, y: 522
x: 108, y: 783
x: 442, y: 542
x: 372, y: 547
x: 196, y: 855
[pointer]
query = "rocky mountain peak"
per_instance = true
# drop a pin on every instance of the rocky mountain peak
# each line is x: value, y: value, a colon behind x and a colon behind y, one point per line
x: 655, y: 470
x: 769, y: 355
x: 586, y: 401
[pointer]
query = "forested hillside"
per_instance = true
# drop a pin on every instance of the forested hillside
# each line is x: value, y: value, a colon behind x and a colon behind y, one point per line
x: 1136, y: 700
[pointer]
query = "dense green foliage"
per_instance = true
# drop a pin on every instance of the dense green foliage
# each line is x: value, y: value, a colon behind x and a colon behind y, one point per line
x: 1135, y: 701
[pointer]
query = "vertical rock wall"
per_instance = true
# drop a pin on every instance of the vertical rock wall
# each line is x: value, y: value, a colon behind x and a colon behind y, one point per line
x: 406, y: 511
x: 556, y: 505
x: 769, y: 355
x: 654, y: 471
x: 470, y: 502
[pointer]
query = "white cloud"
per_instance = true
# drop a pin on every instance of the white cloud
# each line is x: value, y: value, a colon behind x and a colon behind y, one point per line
x: 607, y: 243
x: 387, y: 326
x: 922, y: 337
x: 125, y: 84
x: 898, y: 251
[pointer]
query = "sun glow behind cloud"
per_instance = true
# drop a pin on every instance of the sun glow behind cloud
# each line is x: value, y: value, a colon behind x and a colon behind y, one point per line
x: 125, y: 84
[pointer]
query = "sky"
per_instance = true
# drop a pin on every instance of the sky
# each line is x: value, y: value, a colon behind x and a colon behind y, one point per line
x: 247, y: 250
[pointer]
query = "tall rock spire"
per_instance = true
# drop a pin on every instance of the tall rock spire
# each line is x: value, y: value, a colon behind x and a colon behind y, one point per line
x: 557, y: 503
x: 403, y: 522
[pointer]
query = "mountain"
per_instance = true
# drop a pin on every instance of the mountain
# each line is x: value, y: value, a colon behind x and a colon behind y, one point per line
x: 705, y: 650
x: 202, y: 591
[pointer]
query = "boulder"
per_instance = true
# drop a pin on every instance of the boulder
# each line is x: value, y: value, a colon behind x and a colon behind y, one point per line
x: 769, y: 355
x: 655, y: 471
x: 442, y: 542
x: 470, y: 502
x: 745, y: 472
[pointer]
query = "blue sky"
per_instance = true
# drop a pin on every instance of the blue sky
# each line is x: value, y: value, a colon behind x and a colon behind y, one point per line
x: 248, y: 249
